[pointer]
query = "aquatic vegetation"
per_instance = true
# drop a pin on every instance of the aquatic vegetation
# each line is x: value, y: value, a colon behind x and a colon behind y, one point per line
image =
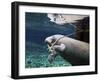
x: 36, y: 58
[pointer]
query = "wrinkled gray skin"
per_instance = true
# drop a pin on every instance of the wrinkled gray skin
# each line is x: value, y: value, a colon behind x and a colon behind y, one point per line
x: 74, y: 51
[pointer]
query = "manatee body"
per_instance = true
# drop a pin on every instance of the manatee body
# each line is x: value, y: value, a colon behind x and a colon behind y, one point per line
x: 74, y: 51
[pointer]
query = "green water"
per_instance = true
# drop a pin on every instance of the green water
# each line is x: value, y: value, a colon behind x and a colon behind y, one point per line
x: 36, y: 57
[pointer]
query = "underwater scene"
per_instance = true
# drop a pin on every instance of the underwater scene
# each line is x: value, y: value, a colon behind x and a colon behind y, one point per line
x: 38, y: 26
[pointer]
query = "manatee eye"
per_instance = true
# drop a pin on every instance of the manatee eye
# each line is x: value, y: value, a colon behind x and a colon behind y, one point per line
x: 53, y: 39
x: 50, y: 40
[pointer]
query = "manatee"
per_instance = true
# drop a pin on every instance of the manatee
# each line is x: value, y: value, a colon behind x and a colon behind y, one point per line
x: 74, y: 51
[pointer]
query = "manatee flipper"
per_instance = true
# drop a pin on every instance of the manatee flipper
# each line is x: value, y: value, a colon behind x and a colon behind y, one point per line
x: 52, y: 56
x: 59, y: 48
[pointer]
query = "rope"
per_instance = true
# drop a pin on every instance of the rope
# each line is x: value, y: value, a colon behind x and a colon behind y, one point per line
x: 63, y: 37
x: 79, y: 30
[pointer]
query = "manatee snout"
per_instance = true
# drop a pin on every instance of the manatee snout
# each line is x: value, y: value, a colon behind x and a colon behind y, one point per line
x: 55, y: 49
